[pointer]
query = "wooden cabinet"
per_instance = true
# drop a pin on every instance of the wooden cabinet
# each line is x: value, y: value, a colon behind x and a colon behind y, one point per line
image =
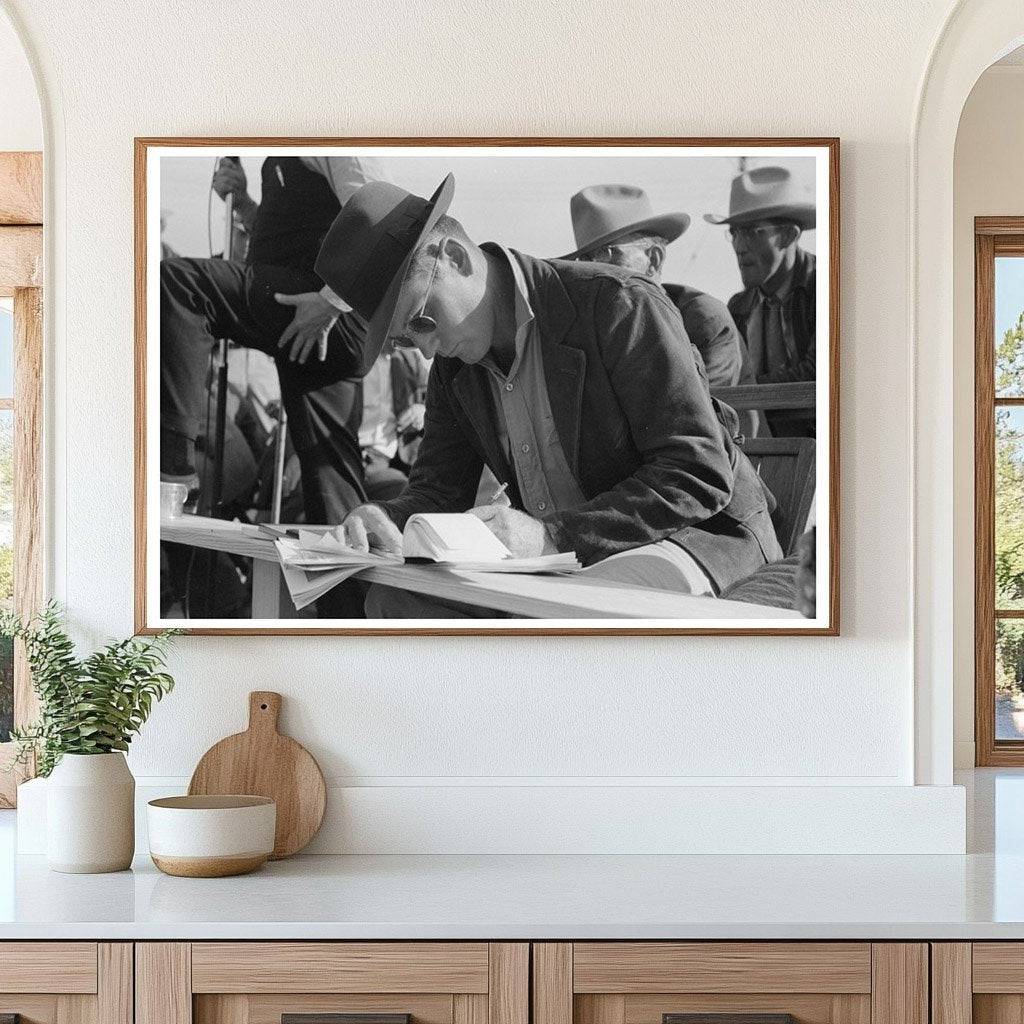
x: 66, y: 982
x: 980, y: 982
x: 649, y: 982
x: 259, y: 982
x: 494, y: 983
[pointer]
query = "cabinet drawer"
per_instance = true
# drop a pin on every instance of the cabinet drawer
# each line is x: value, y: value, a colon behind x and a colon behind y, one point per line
x: 66, y: 982
x: 737, y: 982
x: 998, y: 967
x: 261, y: 982
x: 636, y: 967
x: 48, y: 967
x: 340, y: 967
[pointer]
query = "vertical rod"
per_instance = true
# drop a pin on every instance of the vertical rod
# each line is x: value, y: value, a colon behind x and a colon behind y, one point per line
x: 216, y: 491
x: 220, y: 426
x: 282, y: 439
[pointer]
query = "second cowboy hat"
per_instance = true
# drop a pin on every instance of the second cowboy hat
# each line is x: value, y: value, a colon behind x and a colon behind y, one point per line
x: 366, y: 254
x: 767, y: 193
x: 602, y: 214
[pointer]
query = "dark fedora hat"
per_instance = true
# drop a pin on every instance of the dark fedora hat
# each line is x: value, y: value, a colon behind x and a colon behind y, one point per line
x: 366, y: 254
x: 603, y: 214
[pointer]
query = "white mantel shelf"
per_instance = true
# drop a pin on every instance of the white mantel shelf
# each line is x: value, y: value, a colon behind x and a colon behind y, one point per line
x: 531, y: 897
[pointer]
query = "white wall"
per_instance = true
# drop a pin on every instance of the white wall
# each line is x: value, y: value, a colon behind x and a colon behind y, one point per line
x: 21, y: 125
x: 443, y: 713
x: 988, y: 181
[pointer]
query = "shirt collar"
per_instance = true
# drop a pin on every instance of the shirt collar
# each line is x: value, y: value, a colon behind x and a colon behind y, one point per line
x: 784, y: 290
x: 522, y: 311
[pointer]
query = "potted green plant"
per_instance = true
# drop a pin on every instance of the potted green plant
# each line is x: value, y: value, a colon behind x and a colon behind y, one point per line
x: 89, y: 710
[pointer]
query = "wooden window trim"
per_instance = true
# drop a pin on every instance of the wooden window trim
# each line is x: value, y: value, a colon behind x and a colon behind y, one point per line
x: 21, y: 261
x: 993, y: 236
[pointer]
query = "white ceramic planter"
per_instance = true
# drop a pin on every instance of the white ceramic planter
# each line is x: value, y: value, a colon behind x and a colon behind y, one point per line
x: 90, y: 814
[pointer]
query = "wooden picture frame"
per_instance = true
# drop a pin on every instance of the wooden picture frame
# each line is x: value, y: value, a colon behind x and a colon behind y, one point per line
x: 21, y: 278
x: 150, y: 150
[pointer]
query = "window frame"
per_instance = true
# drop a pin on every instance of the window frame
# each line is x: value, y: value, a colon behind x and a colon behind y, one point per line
x: 21, y: 261
x: 993, y: 237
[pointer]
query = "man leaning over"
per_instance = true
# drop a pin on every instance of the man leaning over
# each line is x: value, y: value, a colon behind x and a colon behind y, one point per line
x: 566, y: 379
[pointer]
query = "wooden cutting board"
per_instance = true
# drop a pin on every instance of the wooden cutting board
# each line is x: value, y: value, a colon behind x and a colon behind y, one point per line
x: 262, y: 762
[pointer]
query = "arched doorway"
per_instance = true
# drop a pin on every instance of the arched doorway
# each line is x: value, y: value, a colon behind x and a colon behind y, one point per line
x: 976, y: 34
x: 21, y: 186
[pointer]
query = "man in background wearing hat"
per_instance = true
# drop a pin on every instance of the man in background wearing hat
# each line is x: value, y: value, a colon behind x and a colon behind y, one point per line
x: 768, y: 211
x: 566, y: 379
x: 615, y: 224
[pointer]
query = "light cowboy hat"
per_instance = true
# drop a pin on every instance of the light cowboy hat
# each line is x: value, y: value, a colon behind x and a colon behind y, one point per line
x: 767, y: 193
x: 366, y: 254
x: 602, y: 214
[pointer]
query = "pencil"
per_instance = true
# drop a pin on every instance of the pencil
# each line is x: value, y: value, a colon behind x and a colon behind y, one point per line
x: 499, y: 492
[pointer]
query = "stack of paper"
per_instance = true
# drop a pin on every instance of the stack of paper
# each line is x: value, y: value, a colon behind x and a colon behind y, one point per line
x: 314, y: 560
x: 314, y: 563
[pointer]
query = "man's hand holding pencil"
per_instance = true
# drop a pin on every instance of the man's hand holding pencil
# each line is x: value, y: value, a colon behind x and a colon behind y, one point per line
x: 524, y: 536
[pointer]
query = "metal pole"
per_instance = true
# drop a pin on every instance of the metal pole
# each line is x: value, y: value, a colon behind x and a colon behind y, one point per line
x: 215, y: 490
x: 282, y: 438
x: 229, y: 225
x: 220, y: 427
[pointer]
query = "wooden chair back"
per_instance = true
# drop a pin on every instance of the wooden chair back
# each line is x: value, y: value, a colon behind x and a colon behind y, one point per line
x: 786, y: 465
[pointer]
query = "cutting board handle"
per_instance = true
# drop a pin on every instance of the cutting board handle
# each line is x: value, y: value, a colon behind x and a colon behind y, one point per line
x: 264, y: 710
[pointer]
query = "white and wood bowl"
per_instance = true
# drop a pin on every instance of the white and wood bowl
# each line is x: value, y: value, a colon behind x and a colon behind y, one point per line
x: 211, y: 836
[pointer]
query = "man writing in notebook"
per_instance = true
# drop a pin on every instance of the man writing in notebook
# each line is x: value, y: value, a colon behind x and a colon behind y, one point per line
x: 568, y: 380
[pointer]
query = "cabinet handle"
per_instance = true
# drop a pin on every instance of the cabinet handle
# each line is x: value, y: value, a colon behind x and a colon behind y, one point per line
x: 727, y: 1018
x: 337, y: 1018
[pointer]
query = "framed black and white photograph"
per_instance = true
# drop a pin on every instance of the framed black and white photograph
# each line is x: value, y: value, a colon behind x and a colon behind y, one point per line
x: 487, y: 386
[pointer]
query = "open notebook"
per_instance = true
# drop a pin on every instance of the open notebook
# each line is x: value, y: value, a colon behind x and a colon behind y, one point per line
x: 316, y: 559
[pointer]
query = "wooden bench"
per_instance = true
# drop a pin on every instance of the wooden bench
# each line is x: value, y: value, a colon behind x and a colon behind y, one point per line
x: 798, y: 397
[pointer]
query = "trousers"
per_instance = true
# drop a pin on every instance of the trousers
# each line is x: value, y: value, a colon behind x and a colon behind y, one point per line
x: 202, y: 300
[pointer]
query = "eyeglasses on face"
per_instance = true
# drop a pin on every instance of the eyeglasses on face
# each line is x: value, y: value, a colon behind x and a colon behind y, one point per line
x: 748, y: 232
x: 421, y: 323
x: 606, y: 254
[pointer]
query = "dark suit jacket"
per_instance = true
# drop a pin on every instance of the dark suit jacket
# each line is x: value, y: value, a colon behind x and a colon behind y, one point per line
x: 714, y: 334
x: 634, y: 416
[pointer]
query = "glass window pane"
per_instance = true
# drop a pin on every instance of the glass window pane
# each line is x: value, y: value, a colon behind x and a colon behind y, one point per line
x: 6, y: 567
x: 1009, y: 679
x: 1009, y: 322
x: 1009, y: 524
x: 6, y: 348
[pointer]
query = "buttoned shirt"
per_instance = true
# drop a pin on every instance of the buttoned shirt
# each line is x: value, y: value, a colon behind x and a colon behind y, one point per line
x: 526, y: 427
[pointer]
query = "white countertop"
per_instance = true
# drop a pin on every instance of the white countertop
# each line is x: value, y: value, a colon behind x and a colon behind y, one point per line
x: 532, y: 897
x: 977, y: 896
